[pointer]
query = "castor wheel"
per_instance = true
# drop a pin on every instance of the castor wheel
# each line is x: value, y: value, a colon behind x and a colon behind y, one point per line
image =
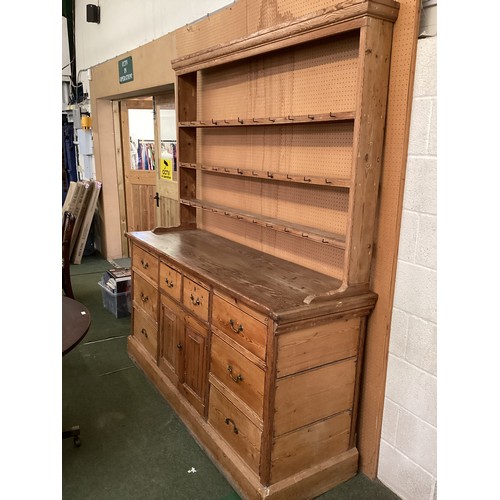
x: 74, y: 432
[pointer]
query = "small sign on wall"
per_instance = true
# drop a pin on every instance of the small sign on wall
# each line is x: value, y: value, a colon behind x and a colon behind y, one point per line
x: 166, y: 169
x: 125, y: 70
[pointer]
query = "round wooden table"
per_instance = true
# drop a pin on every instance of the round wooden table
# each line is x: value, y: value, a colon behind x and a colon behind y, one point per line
x: 75, y: 325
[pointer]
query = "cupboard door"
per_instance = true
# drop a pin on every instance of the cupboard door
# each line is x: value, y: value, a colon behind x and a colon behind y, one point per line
x: 195, y: 369
x: 171, y: 339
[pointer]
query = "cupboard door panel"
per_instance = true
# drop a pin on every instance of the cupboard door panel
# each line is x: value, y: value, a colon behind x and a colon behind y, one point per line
x: 195, y: 369
x: 170, y: 337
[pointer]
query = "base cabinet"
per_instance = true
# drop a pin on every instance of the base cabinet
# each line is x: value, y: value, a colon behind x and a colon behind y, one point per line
x: 266, y: 384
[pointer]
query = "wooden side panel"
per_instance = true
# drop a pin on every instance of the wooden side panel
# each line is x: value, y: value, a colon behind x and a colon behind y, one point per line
x: 309, y: 446
x: 317, y: 345
x: 186, y: 148
x: 313, y: 395
x: 404, y: 47
x: 373, y: 84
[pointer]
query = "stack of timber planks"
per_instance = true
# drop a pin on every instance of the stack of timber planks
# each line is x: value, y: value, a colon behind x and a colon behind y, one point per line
x: 81, y: 201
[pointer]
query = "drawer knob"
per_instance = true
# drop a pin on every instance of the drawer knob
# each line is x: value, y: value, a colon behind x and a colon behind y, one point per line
x: 144, y: 264
x: 179, y: 346
x: 144, y: 332
x: 237, y: 379
x: 235, y: 330
x: 170, y: 284
x: 229, y: 421
x: 195, y: 302
x: 144, y: 298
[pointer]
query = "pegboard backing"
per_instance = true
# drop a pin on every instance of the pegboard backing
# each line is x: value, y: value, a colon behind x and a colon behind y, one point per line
x: 221, y: 27
x: 317, y: 77
x: 315, y: 149
x: 318, y: 207
x: 241, y: 18
x: 323, y: 258
x: 265, y: 13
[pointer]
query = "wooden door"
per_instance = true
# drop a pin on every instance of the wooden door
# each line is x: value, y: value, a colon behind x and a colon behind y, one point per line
x: 139, y: 164
x: 195, y: 357
x: 166, y: 147
x: 171, y: 323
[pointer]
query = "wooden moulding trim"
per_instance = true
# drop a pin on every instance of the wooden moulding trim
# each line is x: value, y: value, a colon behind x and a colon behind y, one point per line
x: 333, y: 182
x: 316, y: 480
x: 312, y: 234
x: 327, y: 310
x: 340, y: 18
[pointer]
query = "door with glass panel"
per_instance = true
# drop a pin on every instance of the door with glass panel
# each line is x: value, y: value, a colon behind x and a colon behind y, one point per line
x: 140, y: 162
x: 167, y: 200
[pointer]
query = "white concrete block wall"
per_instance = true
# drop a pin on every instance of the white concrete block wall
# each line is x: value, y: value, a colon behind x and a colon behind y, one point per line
x: 407, y: 462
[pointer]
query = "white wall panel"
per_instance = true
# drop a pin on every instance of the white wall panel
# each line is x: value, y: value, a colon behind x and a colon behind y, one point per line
x: 127, y: 24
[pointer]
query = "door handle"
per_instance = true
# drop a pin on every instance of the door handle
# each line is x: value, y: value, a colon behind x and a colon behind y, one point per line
x: 157, y: 198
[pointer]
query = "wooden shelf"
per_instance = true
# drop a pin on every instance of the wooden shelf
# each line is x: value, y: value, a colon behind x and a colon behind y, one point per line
x: 272, y: 120
x: 333, y: 182
x: 292, y: 229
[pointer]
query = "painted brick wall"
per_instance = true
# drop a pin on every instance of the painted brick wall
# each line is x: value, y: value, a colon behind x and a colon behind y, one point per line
x: 407, y: 463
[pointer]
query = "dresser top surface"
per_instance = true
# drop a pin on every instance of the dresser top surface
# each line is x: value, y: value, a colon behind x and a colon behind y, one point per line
x: 274, y: 284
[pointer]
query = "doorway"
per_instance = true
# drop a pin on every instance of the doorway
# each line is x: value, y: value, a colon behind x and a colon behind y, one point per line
x: 149, y: 159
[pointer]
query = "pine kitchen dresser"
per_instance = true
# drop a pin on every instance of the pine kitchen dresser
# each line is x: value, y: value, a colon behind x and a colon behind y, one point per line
x: 250, y: 316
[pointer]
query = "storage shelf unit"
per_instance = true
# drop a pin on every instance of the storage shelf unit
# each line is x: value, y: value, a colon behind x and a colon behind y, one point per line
x: 255, y: 109
x: 255, y: 308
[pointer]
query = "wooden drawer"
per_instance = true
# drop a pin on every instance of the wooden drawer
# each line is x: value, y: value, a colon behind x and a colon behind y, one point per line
x: 238, y: 374
x: 170, y: 281
x: 238, y: 431
x: 240, y: 326
x: 195, y: 298
x: 146, y: 332
x: 145, y: 263
x: 145, y: 296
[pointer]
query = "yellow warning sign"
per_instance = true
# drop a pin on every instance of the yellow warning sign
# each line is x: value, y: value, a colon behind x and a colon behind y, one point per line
x: 166, y: 169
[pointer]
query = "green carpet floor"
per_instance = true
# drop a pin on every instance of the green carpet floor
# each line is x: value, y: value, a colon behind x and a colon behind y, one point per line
x: 133, y: 446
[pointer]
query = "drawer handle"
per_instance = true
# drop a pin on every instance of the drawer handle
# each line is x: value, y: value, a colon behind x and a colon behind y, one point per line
x: 237, y: 379
x: 235, y: 330
x: 195, y: 302
x: 179, y: 346
x: 144, y: 332
x: 144, y: 298
x: 229, y: 421
x: 145, y: 265
x: 170, y: 284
